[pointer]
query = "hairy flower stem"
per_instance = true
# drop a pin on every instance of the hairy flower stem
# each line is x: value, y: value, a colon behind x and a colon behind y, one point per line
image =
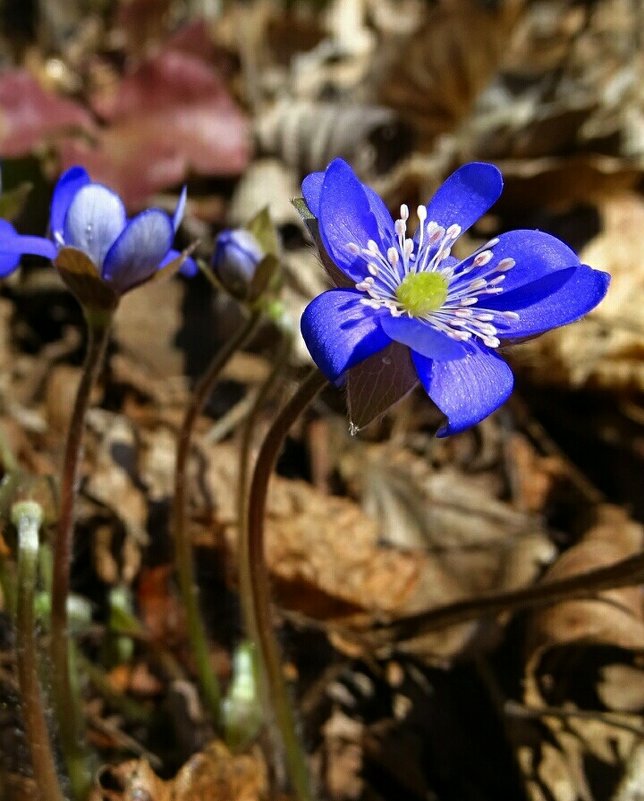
x: 27, y: 517
x: 245, y: 589
x: 182, y: 546
x: 66, y: 704
x: 258, y: 584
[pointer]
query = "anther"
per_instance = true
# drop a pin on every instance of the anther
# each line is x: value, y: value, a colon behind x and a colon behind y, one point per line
x: 505, y: 264
x: 421, y: 211
x: 353, y: 248
x: 404, y: 212
x: 393, y: 256
x: 373, y: 268
x: 483, y: 258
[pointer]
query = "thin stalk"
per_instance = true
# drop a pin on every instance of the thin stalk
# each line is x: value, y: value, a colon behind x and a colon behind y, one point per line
x: 259, y: 591
x: 245, y: 590
x: 27, y: 517
x: 66, y: 703
x: 182, y: 545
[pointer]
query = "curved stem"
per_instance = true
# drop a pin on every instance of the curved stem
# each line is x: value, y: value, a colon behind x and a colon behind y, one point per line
x: 182, y: 545
x: 245, y: 590
x: 65, y: 702
x: 259, y: 592
x: 27, y: 516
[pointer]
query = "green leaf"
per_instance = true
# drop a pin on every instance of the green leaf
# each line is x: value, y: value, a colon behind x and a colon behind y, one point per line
x: 263, y: 229
x: 376, y: 384
x: 266, y: 277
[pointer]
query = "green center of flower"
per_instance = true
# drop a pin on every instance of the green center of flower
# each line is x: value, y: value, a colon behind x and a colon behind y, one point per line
x: 422, y: 293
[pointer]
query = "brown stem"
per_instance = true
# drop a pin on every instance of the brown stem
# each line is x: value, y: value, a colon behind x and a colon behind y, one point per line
x: 245, y: 590
x: 624, y: 573
x: 267, y: 646
x: 182, y: 545
x: 65, y: 702
x: 27, y: 516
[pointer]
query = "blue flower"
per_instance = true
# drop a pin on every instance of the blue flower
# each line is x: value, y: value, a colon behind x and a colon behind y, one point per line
x: 236, y: 259
x: 8, y: 261
x: 90, y: 218
x: 452, y: 314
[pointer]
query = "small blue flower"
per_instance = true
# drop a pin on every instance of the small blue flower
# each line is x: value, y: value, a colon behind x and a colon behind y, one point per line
x: 8, y: 261
x: 452, y: 314
x: 236, y: 259
x: 91, y: 218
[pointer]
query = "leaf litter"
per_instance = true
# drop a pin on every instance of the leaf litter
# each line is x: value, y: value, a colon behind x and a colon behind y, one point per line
x: 542, y: 704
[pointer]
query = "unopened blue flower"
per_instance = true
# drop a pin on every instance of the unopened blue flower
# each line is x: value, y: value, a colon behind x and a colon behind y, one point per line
x: 452, y: 314
x: 8, y: 261
x: 236, y: 259
x: 91, y: 218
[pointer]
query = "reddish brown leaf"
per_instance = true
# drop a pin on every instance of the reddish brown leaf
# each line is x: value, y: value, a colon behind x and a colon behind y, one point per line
x: 29, y: 115
x: 172, y: 115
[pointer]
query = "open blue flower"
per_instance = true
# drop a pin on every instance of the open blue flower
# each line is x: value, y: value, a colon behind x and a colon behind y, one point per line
x: 91, y: 218
x: 452, y: 314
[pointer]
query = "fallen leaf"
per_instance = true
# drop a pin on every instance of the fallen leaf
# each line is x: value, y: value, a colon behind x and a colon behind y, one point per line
x: 31, y: 117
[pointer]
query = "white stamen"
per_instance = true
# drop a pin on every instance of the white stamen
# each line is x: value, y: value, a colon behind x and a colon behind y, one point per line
x: 505, y: 264
x: 478, y: 283
x: 453, y: 232
x: 400, y: 228
x: 510, y: 315
x: 353, y: 248
x: 498, y: 280
x: 372, y: 246
x: 483, y: 258
x: 491, y: 342
x: 404, y: 212
x: 373, y: 268
x: 421, y: 211
x: 393, y: 256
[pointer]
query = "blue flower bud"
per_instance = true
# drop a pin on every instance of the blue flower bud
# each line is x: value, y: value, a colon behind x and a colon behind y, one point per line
x: 235, y: 260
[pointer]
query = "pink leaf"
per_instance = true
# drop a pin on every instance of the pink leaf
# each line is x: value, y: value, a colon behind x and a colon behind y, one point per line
x: 29, y: 115
x: 169, y: 117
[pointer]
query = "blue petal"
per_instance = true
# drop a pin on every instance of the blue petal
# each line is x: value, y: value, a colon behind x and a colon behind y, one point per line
x: 466, y: 390
x: 139, y: 250
x: 13, y: 245
x: 94, y: 219
x: 68, y: 184
x: 536, y: 254
x: 311, y: 190
x: 466, y: 195
x: 180, y: 209
x: 8, y: 261
x: 189, y: 267
x: 422, y: 338
x: 345, y: 217
x: 551, y: 301
x: 339, y: 331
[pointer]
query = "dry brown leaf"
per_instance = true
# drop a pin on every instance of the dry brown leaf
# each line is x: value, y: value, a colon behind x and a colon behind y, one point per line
x: 615, y: 617
x: 607, y: 348
x: 212, y: 775
x: 433, y: 76
x: 559, y: 768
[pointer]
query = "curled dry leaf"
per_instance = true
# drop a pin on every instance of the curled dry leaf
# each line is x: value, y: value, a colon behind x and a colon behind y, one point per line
x: 616, y: 617
x: 606, y: 349
x: 558, y: 767
x: 212, y: 775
